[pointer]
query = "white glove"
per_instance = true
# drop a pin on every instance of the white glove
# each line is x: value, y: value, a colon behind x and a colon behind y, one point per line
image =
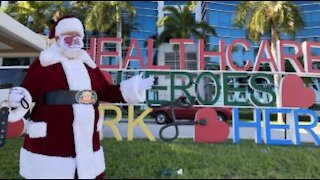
x: 16, y: 95
x: 133, y: 89
x: 145, y: 84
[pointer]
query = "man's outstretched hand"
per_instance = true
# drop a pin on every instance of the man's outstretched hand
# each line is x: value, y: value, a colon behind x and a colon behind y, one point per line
x: 145, y: 84
x: 134, y: 89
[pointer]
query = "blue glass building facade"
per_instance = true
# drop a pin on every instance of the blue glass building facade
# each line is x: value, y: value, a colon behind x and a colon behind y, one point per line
x: 220, y: 15
x: 146, y: 19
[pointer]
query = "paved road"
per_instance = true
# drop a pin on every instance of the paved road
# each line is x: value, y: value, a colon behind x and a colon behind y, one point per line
x: 188, y: 132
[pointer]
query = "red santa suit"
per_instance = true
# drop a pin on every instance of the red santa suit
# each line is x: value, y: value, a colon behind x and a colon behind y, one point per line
x: 63, y: 140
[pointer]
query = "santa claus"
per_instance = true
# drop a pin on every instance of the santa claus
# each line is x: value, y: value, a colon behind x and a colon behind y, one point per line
x: 62, y: 138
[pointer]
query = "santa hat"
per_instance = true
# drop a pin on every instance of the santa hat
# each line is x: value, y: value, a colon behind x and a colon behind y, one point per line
x: 66, y: 24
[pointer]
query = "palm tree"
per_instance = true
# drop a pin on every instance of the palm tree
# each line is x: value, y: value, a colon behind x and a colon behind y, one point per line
x: 36, y: 15
x: 274, y: 17
x: 105, y: 14
x: 80, y: 9
x: 181, y: 24
x: 127, y: 26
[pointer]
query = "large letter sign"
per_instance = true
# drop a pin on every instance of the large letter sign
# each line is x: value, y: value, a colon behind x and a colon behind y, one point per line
x: 232, y: 85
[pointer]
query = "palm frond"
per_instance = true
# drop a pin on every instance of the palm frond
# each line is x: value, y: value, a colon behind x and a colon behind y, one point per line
x: 181, y: 24
x: 260, y: 17
x: 206, y: 27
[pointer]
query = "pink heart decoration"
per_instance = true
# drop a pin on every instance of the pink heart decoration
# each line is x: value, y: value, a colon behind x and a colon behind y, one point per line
x: 295, y: 94
x: 15, y: 129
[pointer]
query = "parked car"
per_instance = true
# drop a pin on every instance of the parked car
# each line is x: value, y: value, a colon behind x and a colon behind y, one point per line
x: 163, y: 114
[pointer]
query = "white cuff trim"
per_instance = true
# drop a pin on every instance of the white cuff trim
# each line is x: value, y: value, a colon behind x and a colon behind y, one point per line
x: 130, y: 91
x: 36, y: 129
x: 38, y: 166
x: 100, y: 124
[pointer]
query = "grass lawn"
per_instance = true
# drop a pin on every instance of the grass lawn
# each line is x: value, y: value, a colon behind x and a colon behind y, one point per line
x: 144, y: 159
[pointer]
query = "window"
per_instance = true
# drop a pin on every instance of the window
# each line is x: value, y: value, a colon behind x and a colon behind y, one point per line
x: 147, y: 12
x: 110, y: 47
x: 145, y: 4
x: 213, y: 17
x: 15, y: 62
x: 149, y: 24
x: 173, y: 60
x: 224, y: 19
x: 137, y: 35
x: 223, y: 32
x: 10, y: 74
x: 11, y: 77
x: 309, y: 7
x: 171, y: 3
x: 221, y: 6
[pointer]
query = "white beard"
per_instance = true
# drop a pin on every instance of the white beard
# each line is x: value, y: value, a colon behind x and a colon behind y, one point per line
x: 71, y: 53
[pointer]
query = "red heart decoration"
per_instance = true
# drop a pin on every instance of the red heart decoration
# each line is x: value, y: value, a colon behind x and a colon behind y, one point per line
x: 214, y: 131
x: 15, y: 129
x: 295, y: 94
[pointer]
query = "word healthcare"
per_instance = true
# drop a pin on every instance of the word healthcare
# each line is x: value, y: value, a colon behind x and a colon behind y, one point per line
x: 264, y: 55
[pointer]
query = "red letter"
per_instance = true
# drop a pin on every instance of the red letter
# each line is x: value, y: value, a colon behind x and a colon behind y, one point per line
x: 265, y: 48
x: 246, y: 45
x: 133, y: 43
x: 220, y: 53
x: 308, y: 58
x: 181, y: 43
x: 293, y: 58
x: 101, y: 53
x: 150, y: 57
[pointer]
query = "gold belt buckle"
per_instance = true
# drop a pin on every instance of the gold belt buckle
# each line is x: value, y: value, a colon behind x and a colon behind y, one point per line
x: 86, y: 97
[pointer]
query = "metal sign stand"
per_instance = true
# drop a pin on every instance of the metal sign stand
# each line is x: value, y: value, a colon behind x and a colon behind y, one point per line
x: 4, y: 113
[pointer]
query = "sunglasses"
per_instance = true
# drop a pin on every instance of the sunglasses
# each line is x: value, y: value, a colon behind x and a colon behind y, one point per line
x: 72, y: 40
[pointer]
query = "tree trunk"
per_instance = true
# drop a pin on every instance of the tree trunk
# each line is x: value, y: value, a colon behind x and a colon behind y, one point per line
x: 277, y: 77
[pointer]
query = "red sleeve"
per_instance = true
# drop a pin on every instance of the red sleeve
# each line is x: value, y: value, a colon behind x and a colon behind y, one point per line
x: 109, y: 93
x: 32, y: 81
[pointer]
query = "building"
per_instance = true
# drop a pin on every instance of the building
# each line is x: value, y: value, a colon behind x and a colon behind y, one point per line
x: 220, y: 15
x: 18, y: 48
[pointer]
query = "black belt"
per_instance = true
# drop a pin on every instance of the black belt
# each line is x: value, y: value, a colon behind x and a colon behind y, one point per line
x: 64, y: 97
